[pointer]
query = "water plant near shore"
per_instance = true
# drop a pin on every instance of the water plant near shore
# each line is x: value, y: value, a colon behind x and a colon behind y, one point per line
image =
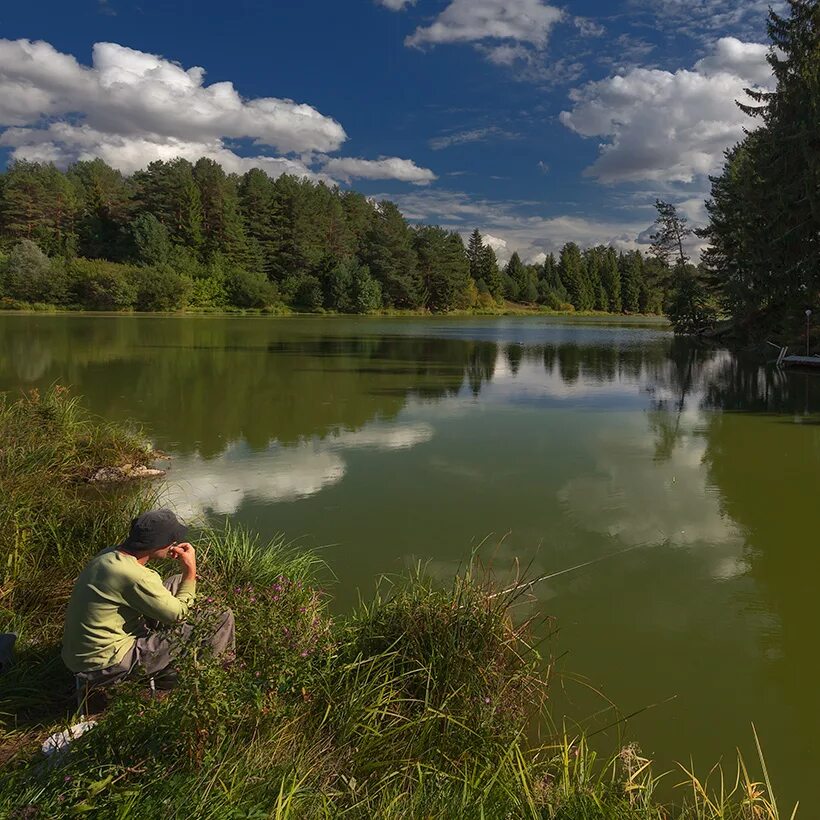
x: 416, y: 704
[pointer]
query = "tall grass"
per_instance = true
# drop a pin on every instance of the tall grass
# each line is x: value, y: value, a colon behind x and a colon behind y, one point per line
x: 415, y: 705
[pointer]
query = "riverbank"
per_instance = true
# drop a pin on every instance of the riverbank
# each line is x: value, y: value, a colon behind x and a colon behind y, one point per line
x: 415, y: 704
x: 506, y: 309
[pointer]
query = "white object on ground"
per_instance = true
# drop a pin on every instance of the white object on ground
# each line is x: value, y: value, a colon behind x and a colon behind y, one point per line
x: 60, y: 741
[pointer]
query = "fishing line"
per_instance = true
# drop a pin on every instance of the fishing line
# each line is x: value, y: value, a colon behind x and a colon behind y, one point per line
x: 547, y: 577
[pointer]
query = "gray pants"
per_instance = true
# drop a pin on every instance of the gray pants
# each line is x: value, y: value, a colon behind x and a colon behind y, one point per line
x: 154, y: 652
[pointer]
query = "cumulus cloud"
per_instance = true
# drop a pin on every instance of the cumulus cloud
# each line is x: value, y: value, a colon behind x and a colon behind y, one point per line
x: 472, y: 21
x: 404, y: 170
x: 396, y: 5
x: 130, y: 107
x: 495, y: 242
x: 471, y: 135
x: 664, y: 126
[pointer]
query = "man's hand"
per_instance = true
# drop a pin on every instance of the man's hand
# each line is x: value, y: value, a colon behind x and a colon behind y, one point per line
x: 185, y: 554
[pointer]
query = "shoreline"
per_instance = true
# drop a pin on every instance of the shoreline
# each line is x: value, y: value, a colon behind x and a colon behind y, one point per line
x: 421, y: 695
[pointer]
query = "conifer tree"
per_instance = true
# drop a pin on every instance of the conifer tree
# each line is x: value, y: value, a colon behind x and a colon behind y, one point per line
x: 475, y: 250
x: 573, y: 276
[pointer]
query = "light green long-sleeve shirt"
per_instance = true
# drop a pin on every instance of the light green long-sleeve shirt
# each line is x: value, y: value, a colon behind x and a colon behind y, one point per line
x: 113, y: 596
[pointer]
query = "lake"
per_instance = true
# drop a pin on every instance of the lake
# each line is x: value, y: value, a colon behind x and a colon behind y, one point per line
x: 556, y: 442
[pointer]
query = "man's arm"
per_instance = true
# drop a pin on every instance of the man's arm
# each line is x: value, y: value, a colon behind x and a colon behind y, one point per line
x: 150, y: 597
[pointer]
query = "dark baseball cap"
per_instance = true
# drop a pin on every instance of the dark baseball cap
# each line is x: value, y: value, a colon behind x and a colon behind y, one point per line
x: 154, y: 529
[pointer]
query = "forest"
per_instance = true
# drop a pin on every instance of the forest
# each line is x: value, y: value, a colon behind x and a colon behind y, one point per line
x: 182, y: 235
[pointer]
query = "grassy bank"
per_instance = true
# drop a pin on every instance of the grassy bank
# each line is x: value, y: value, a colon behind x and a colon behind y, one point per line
x: 507, y: 308
x: 416, y: 704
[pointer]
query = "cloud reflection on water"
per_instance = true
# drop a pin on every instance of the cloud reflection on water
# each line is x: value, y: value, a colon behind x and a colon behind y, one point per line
x: 280, y: 473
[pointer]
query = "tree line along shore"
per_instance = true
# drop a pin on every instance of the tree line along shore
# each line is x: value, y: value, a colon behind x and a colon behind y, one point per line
x: 187, y: 235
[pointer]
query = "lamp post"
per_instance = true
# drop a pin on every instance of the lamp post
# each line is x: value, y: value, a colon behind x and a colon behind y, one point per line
x: 808, y: 320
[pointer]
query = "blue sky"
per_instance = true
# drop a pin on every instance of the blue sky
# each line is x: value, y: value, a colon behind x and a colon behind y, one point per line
x: 537, y: 122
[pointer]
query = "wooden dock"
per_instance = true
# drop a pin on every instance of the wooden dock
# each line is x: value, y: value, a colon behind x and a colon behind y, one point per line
x: 797, y: 361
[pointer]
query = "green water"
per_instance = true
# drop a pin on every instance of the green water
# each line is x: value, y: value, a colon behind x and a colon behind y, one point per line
x: 397, y: 441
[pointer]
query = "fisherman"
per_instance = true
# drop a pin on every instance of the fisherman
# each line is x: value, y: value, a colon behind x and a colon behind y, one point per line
x: 111, y: 623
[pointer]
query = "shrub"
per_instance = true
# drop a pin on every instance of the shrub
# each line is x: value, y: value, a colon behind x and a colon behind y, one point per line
x: 100, y: 285
x: 367, y: 292
x: 30, y: 276
x: 160, y: 289
x: 308, y: 295
x: 249, y: 290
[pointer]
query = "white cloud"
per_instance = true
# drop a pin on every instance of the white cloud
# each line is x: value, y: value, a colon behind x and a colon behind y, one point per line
x: 537, y: 259
x: 495, y: 242
x: 739, y: 59
x: 131, y: 107
x: 396, y: 5
x: 404, y: 170
x: 664, y: 126
x: 471, y: 21
x: 472, y: 135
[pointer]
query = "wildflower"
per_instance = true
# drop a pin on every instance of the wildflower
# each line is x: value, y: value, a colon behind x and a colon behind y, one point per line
x: 67, y: 778
x: 486, y: 700
x: 258, y: 674
x: 305, y: 653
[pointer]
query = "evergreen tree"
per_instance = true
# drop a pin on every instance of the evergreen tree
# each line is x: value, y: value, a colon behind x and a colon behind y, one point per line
x: 222, y: 226
x: 104, y: 209
x: 475, y: 254
x: 391, y: 259
x: 574, y: 277
x: 764, y: 231
x: 519, y: 280
x: 672, y: 231
x: 631, y: 269
x: 490, y: 273
x: 169, y: 192
x: 611, y: 281
x: 443, y: 267
x: 259, y: 209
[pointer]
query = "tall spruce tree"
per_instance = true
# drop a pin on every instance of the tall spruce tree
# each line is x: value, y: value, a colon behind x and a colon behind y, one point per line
x: 574, y: 277
x: 475, y: 249
x: 391, y: 259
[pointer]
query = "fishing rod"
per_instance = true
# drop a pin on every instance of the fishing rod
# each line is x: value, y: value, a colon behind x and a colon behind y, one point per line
x: 527, y: 584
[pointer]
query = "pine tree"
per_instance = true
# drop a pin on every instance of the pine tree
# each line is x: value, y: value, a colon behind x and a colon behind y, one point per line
x: 391, y: 259
x: 490, y: 274
x: 611, y: 281
x: 223, y: 231
x: 574, y: 277
x: 475, y: 250
x: 631, y: 269
x: 443, y: 267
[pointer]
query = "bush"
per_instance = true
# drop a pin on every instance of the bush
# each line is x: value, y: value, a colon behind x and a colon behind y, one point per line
x: 30, y: 276
x: 100, y: 285
x: 367, y: 292
x: 249, y: 290
x: 308, y: 295
x: 160, y: 289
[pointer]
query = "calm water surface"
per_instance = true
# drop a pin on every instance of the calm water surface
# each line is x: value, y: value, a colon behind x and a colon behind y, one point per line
x: 398, y: 441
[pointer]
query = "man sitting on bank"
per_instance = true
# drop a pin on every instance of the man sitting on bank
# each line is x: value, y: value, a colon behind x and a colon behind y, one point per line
x: 110, y: 630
